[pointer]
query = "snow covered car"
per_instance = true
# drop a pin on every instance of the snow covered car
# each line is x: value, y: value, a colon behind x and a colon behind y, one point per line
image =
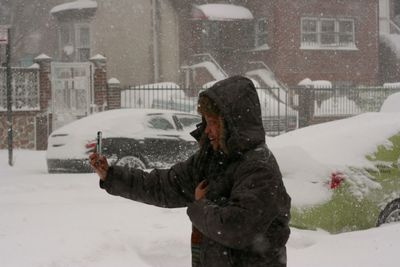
x: 342, y: 175
x: 392, y: 103
x: 143, y: 138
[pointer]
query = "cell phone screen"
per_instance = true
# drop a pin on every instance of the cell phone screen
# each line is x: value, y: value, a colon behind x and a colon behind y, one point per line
x: 99, y: 143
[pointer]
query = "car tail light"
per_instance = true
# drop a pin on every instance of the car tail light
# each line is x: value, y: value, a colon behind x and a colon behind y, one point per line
x: 336, y: 179
x: 91, y: 146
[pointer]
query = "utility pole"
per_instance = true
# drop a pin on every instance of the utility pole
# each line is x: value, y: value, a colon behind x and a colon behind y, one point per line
x: 6, y: 40
x: 155, y: 33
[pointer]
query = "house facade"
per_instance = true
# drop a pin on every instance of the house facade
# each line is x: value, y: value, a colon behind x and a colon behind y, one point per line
x: 138, y: 38
x: 338, y: 41
x: 148, y: 41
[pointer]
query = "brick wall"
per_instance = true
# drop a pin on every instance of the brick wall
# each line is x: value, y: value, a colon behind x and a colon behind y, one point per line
x: 106, y: 96
x: 113, y: 96
x: 28, y: 128
x: 100, y: 87
x: 32, y: 128
x: 293, y: 64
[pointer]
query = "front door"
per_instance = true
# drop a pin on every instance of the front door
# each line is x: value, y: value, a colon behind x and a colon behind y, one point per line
x: 71, y: 92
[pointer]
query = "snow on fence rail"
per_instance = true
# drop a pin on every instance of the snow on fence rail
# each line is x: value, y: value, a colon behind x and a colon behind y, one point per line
x: 277, y: 116
x: 345, y: 102
x: 280, y: 109
x: 25, y: 89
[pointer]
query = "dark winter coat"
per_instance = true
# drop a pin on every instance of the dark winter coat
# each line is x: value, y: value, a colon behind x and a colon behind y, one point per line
x: 245, y: 214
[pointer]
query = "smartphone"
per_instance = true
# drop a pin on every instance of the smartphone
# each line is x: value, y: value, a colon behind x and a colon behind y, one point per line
x: 99, y: 142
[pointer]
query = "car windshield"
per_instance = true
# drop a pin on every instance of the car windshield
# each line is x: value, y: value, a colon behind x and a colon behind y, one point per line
x: 159, y: 122
x: 188, y: 121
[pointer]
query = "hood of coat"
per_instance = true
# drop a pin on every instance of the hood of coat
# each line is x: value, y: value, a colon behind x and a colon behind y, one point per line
x: 238, y: 102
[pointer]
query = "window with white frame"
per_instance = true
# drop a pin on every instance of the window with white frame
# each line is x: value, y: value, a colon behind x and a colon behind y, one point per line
x: 261, y: 32
x: 82, y: 32
x: 74, y: 40
x: 327, y: 33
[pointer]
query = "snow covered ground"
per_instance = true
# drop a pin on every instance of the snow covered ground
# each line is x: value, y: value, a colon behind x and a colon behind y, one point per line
x: 65, y: 220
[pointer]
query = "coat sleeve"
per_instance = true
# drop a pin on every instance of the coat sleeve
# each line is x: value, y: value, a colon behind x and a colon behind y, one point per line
x: 170, y: 188
x: 258, y: 199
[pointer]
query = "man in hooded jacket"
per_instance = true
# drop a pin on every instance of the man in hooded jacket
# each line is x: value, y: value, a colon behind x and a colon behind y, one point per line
x: 232, y: 187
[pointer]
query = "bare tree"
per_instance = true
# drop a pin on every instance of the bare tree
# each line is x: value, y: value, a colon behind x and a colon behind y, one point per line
x: 30, y: 22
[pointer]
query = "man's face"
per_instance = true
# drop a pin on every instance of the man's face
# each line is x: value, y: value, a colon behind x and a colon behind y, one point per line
x: 213, y: 130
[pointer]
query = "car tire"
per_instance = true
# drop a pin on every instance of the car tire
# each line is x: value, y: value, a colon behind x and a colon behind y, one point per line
x: 131, y: 162
x: 391, y: 213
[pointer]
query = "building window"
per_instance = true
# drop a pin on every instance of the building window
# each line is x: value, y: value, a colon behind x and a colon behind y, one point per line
x: 82, y: 32
x: 74, y: 42
x: 261, y: 32
x: 210, y: 34
x: 327, y: 33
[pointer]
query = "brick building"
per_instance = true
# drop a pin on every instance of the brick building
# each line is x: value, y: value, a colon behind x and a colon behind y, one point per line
x: 317, y: 39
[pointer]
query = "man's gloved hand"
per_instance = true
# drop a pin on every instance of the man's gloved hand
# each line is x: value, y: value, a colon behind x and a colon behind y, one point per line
x: 201, y: 190
x: 99, y: 164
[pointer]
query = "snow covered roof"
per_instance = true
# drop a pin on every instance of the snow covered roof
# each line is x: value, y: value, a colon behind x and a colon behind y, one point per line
x: 221, y: 12
x: 76, y: 5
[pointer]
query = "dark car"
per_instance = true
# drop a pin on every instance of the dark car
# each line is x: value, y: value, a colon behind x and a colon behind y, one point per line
x: 143, y: 138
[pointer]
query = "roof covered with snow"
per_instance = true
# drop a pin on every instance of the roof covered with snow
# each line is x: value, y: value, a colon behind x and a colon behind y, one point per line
x: 75, y: 5
x: 221, y: 12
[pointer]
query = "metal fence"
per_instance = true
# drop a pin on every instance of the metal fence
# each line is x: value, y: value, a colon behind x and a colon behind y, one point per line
x: 281, y: 109
x: 25, y: 89
x: 277, y: 115
x: 341, y: 102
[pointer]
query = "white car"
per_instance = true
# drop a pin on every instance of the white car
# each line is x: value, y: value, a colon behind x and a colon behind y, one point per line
x: 143, y: 138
